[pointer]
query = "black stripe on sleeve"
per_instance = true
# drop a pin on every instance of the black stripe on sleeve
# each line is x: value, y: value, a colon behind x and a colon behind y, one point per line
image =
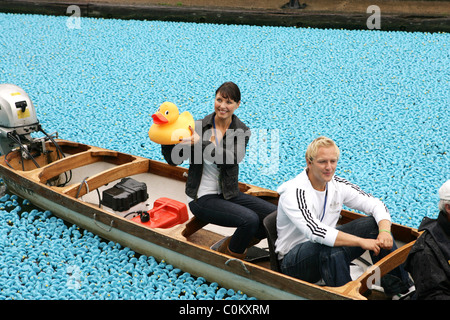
x: 310, y: 223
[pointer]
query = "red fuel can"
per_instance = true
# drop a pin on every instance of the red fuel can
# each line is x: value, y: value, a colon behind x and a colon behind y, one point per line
x: 166, y: 213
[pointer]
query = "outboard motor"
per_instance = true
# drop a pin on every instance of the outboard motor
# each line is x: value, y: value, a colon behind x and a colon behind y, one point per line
x: 18, y: 121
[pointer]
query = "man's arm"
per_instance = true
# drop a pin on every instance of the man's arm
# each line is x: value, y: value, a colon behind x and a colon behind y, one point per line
x: 349, y: 240
x: 383, y: 241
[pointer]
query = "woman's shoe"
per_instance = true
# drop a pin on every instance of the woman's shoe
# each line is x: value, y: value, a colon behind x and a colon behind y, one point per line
x: 225, y: 249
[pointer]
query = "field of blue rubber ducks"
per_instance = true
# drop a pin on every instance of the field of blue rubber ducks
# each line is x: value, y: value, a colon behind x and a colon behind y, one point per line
x: 382, y: 96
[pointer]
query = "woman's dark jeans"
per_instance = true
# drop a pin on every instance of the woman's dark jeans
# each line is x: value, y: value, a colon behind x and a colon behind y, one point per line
x: 243, y: 212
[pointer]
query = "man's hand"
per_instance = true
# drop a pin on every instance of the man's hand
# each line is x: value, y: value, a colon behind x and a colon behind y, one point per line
x: 370, y: 244
x: 385, y: 240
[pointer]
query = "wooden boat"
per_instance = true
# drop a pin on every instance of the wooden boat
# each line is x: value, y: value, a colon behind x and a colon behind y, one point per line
x: 68, y: 180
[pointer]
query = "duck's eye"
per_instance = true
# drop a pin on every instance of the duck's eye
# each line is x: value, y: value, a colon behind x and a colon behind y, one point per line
x: 167, y: 112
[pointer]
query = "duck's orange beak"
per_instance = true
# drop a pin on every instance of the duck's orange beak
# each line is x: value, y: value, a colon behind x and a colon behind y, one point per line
x: 158, y: 118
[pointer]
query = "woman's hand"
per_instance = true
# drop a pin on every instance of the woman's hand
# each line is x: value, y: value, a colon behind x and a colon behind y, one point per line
x: 193, y: 139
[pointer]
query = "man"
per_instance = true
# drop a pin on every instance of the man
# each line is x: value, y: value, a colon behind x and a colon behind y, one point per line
x: 429, y: 259
x: 309, y: 245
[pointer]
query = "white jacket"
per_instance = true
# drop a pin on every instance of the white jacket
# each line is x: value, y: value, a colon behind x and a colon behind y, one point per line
x: 300, y: 211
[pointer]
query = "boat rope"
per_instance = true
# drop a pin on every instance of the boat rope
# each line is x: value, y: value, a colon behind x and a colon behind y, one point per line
x: 240, y: 262
x: 81, y: 184
x: 110, y: 224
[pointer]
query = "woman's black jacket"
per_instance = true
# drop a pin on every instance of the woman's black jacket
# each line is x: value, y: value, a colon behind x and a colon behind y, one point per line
x: 227, y: 155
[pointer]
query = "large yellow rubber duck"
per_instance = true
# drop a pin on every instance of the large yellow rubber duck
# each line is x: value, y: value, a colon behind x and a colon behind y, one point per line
x: 169, y: 126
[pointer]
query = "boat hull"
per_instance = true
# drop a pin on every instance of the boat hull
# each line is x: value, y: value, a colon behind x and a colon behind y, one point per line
x: 151, y: 248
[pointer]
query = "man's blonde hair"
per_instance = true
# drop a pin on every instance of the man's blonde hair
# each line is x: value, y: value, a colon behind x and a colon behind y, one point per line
x: 311, y: 151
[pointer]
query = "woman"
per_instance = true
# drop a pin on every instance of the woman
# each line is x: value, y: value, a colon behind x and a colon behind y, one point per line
x: 215, y: 149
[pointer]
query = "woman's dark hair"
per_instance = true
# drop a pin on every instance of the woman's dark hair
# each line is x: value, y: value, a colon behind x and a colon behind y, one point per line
x: 229, y: 90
